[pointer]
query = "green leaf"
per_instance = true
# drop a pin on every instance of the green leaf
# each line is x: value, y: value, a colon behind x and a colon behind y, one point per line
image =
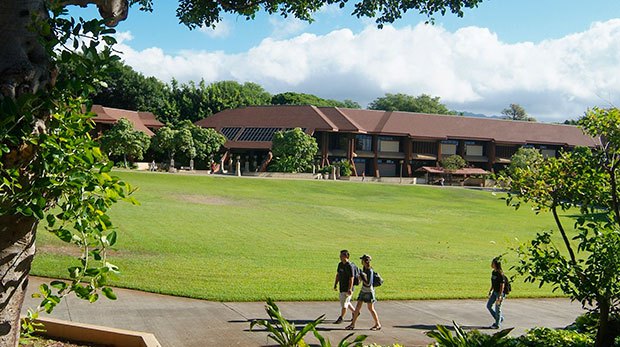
x: 109, y: 293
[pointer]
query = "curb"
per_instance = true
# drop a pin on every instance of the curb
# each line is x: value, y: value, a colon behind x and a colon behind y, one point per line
x: 96, y: 334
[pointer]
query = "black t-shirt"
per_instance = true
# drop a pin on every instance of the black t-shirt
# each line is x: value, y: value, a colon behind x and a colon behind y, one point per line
x: 345, y: 272
x: 496, y: 280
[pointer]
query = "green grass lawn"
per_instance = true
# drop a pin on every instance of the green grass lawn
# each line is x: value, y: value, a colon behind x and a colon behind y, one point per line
x: 232, y: 239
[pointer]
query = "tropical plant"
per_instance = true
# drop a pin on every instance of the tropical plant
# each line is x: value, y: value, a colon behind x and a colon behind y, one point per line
x: 524, y: 159
x: 357, y: 342
x: 474, y: 338
x: 346, y: 168
x: 281, y: 330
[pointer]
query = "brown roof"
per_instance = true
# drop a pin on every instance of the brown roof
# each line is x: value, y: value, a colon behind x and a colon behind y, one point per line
x: 464, y: 171
x: 415, y: 125
x: 140, y: 120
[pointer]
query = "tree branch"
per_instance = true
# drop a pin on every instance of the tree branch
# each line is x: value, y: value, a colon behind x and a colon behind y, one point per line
x: 113, y: 11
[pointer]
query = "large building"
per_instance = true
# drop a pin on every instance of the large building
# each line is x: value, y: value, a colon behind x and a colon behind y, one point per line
x: 142, y: 121
x: 388, y: 144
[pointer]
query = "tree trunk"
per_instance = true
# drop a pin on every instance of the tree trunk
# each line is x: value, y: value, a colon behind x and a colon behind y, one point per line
x: 17, y: 246
x: 24, y: 62
x: 604, y: 335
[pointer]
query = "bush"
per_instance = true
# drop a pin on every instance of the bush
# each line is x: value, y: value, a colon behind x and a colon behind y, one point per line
x: 346, y: 168
x: 546, y: 337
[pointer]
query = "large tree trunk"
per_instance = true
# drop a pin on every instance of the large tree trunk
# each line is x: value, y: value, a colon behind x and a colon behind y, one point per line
x: 17, y: 246
x: 605, y: 335
x: 24, y: 62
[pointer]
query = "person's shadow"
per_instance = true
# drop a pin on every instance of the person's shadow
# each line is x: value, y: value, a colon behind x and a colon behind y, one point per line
x: 428, y: 327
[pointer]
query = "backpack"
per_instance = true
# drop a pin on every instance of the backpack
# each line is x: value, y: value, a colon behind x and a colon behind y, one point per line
x: 376, y: 280
x: 357, y: 274
x: 507, y: 286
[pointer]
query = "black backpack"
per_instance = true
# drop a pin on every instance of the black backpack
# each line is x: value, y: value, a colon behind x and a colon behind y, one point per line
x: 507, y: 286
x: 376, y: 280
x: 357, y: 274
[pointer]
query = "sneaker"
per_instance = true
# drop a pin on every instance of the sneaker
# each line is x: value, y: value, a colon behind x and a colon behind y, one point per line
x: 494, y: 326
x: 338, y: 321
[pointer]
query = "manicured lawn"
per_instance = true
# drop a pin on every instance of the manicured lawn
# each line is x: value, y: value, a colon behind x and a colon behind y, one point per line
x: 231, y: 239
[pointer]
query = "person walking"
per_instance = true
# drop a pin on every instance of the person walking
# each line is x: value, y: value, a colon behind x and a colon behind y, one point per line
x: 344, y: 282
x: 496, y: 293
x: 367, y: 295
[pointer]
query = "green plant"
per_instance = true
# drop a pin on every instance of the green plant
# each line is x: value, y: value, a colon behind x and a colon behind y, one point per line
x: 281, y: 330
x: 474, y: 338
x: 357, y: 342
x: 346, y: 168
x: 546, y: 337
x: 453, y: 163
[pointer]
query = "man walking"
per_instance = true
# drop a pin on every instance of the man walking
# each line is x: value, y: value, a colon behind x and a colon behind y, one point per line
x: 345, y: 277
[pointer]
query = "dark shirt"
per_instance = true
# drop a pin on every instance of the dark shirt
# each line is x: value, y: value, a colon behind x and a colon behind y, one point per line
x: 345, y: 272
x: 366, y: 276
x: 496, y: 280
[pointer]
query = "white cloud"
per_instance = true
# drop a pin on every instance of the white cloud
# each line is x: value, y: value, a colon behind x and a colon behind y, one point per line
x: 221, y: 30
x: 470, y: 69
x: 286, y: 27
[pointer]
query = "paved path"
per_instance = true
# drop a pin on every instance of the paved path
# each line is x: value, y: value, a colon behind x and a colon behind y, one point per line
x: 182, y: 322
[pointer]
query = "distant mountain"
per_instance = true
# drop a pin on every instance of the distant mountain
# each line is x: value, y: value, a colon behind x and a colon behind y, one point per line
x: 478, y: 115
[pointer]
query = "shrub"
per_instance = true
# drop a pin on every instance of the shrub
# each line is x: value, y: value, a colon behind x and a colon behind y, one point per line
x: 546, y: 337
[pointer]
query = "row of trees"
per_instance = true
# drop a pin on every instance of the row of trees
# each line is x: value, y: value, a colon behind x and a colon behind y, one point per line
x: 185, y: 139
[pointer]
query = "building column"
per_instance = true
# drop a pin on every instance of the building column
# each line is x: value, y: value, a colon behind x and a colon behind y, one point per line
x: 438, y: 153
x: 324, y: 148
x: 408, y: 155
x: 491, y: 155
x: 375, y: 148
x: 460, y: 150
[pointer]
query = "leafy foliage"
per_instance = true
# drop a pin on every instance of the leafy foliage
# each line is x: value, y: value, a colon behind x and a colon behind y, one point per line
x: 525, y: 159
x: 68, y: 182
x: 402, y: 102
x: 187, y: 139
x: 453, y: 163
x: 293, y: 151
x: 546, y: 337
x: 123, y: 140
x: 281, y: 330
x: 291, y: 98
x: 584, y: 179
x: 474, y: 338
x: 195, y: 13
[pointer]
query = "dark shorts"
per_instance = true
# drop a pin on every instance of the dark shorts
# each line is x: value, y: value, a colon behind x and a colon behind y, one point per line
x: 366, y: 297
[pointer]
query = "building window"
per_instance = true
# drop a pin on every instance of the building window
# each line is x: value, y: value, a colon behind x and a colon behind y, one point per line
x: 389, y: 144
x: 337, y: 141
x: 231, y: 133
x: 505, y: 151
x: 474, y: 150
x: 363, y: 143
x: 257, y: 134
x: 448, y: 147
x: 547, y: 152
x: 424, y: 147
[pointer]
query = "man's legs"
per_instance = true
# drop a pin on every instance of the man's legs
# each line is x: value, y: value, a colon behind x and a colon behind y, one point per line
x: 345, y: 303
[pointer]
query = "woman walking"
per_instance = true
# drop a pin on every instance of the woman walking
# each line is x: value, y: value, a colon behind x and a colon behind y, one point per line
x: 496, y: 293
x: 367, y: 295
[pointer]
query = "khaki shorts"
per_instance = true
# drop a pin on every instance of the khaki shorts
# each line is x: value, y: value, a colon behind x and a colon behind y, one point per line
x: 345, y: 300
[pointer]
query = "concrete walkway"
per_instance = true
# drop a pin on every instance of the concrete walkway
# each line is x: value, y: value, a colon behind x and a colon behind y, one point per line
x: 182, y: 322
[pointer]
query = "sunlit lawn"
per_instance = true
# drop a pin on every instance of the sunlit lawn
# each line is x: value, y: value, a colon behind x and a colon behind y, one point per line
x: 240, y: 239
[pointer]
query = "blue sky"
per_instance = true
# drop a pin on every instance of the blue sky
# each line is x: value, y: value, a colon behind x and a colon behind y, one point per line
x: 556, y: 58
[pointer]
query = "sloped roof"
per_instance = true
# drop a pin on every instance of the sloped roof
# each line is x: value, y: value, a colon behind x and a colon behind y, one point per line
x: 415, y: 125
x: 141, y: 120
x: 464, y: 171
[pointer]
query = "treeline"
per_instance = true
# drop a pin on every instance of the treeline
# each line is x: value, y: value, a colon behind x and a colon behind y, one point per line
x: 176, y: 102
